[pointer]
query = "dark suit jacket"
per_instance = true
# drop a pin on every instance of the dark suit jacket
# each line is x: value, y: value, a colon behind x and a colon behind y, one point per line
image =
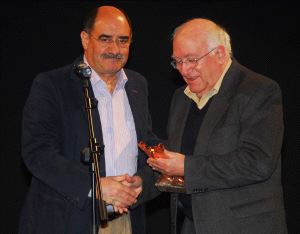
x: 55, y: 130
x: 234, y: 174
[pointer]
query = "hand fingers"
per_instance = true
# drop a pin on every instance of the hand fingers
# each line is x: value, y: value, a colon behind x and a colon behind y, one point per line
x: 126, y: 194
x: 124, y: 203
x: 120, y: 210
x: 154, y: 163
x: 116, y: 191
x: 118, y: 178
x: 129, y: 179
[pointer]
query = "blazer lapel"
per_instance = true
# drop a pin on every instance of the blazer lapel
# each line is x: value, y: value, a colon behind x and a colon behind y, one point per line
x: 132, y: 94
x: 181, y: 117
x: 77, y: 87
x: 217, y: 109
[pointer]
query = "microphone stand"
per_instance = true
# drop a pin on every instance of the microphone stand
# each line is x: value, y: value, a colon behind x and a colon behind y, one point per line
x: 91, y: 154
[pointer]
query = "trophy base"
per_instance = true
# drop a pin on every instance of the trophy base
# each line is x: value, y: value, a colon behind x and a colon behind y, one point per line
x: 170, y: 188
x: 165, y: 183
x: 171, y: 184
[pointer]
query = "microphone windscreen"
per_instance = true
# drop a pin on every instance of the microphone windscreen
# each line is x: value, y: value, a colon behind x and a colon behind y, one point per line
x: 83, y: 70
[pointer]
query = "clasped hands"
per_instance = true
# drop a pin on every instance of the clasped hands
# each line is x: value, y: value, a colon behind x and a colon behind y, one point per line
x: 121, y: 191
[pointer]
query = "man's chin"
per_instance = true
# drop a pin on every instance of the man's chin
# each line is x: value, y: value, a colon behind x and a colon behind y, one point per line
x: 194, y: 89
x: 113, y: 69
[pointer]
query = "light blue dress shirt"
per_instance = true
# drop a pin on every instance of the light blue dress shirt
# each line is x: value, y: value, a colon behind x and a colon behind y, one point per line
x: 119, y: 134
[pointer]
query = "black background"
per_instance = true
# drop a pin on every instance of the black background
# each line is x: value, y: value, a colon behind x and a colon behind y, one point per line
x: 39, y: 36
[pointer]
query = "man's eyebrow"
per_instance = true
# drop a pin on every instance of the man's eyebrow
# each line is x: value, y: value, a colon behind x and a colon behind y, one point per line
x: 104, y: 35
x: 109, y: 36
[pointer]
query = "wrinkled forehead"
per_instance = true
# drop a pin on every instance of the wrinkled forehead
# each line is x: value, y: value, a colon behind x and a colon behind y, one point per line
x: 195, y: 33
x: 188, y: 38
x: 111, y: 24
x: 197, y: 29
x: 189, y: 43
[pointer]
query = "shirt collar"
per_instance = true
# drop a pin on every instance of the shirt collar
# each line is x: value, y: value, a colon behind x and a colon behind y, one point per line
x: 96, y: 79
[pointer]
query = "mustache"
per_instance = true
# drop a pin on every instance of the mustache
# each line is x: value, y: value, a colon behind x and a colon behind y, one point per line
x: 112, y: 56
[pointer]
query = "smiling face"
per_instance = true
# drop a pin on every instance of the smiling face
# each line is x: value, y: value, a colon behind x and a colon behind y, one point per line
x: 191, y: 41
x: 106, y: 46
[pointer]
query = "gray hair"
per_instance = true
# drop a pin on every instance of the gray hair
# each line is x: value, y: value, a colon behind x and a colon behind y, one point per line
x: 216, y: 35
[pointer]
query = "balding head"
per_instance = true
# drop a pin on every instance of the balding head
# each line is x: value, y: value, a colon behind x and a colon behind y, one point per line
x: 205, y: 31
x: 195, y: 27
x: 105, y: 12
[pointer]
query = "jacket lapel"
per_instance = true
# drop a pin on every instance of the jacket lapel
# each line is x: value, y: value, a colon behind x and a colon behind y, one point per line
x: 182, y: 115
x: 217, y: 109
x: 79, y: 95
x: 76, y: 86
x: 179, y: 119
x: 132, y: 94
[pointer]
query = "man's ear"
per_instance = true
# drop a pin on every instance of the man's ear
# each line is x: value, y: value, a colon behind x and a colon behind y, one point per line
x: 84, y: 39
x: 221, y: 53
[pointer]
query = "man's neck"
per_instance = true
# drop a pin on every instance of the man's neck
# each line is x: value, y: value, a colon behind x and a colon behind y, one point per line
x: 110, y: 81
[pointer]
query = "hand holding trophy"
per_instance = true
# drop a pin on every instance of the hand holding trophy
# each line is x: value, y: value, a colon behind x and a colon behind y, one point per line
x: 164, y: 183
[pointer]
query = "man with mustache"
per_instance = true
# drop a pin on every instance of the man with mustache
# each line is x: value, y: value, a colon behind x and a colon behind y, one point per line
x: 55, y: 130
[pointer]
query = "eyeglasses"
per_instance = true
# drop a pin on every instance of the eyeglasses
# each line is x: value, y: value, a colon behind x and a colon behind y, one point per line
x: 177, y: 63
x: 104, y: 40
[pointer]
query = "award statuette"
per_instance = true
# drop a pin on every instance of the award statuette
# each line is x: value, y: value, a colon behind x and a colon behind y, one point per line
x: 164, y: 183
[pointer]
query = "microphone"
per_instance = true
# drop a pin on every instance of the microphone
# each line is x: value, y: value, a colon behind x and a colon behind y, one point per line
x: 83, y: 70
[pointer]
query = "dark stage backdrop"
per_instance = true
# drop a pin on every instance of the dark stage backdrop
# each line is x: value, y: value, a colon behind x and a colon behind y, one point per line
x: 40, y: 36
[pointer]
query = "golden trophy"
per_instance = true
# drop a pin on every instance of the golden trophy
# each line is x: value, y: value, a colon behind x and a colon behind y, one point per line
x: 164, y: 183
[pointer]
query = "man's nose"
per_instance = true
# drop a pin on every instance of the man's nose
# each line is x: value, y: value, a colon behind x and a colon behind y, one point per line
x: 114, y: 46
x: 186, y: 67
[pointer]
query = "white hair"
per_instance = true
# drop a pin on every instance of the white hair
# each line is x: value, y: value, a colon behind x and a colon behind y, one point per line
x: 219, y: 36
x: 216, y: 35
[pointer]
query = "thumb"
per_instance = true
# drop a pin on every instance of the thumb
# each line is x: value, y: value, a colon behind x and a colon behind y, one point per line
x: 119, y: 178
